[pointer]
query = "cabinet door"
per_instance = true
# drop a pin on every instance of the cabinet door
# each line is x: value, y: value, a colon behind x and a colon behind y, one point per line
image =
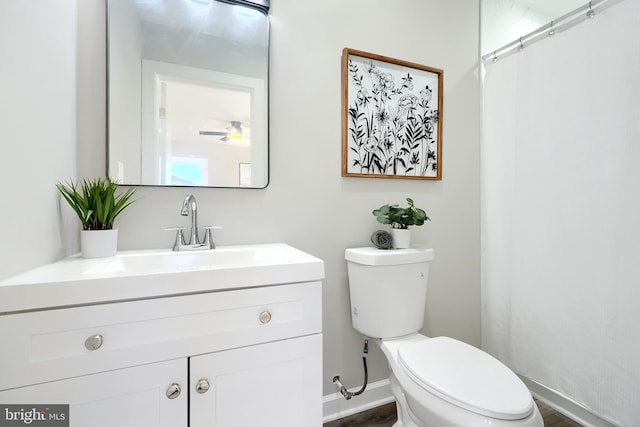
x: 132, y: 397
x: 277, y: 384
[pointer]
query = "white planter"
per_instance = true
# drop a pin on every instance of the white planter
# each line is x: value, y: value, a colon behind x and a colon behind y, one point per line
x: 401, y: 238
x: 98, y: 243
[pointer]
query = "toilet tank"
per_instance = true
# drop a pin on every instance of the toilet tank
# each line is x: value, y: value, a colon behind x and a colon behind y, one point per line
x: 388, y: 289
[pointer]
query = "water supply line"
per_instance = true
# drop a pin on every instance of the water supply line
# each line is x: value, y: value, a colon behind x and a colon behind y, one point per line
x: 343, y: 390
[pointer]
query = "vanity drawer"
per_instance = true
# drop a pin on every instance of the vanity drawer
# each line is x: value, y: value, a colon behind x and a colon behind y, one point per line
x: 54, y: 344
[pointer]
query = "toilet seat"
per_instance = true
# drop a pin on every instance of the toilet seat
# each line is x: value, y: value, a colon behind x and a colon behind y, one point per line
x: 466, y: 377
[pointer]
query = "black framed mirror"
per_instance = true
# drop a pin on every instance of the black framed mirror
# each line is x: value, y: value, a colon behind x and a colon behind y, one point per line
x: 187, y: 93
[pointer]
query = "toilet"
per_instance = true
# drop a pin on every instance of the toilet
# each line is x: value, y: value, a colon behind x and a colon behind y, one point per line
x: 440, y: 381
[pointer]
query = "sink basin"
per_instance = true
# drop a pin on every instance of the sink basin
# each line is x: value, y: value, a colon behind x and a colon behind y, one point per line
x: 144, y: 262
x: 195, y: 259
x: 155, y: 273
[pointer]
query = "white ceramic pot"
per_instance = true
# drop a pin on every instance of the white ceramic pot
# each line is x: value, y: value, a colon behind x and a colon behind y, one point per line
x: 98, y: 243
x: 401, y: 238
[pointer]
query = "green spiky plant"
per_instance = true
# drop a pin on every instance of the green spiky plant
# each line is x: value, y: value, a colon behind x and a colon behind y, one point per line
x: 401, y: 217
x: 95, y: 201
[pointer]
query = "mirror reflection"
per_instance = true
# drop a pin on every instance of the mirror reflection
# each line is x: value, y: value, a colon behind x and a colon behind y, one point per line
x: 188, y: 93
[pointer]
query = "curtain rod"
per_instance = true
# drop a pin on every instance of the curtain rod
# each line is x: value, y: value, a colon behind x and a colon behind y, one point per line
x: 585, y: 11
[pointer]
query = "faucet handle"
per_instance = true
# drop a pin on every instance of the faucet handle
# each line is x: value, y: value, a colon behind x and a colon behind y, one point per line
x: 208, y: 239
x: 179, y: 242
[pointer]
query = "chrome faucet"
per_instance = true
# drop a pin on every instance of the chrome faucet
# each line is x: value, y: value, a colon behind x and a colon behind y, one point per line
x: 194, y: 243
x: 190, y: 202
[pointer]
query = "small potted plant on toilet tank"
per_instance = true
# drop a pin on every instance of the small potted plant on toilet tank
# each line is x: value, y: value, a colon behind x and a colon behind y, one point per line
x: 97, y: 205
x: 400, y: 219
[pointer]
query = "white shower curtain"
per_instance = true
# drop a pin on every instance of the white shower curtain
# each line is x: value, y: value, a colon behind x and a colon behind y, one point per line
x: 561, y: 212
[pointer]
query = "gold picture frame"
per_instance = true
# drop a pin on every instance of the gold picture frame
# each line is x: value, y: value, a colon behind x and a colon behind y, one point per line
x: 391, y: 118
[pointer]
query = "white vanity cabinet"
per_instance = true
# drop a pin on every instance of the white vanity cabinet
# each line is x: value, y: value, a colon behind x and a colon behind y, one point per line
x: 273, y: 384
x: 241, y: 356
x: 131, y: 397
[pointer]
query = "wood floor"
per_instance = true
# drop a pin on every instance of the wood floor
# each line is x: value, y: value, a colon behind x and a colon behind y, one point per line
x: 382, y: 416
x: 553, y: 419
x: 385, y: 416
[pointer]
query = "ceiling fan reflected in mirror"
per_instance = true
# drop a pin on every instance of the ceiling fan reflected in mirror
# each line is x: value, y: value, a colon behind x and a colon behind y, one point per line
x: 233, y: 132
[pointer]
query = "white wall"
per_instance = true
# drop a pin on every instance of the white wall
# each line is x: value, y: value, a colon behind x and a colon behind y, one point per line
x: 37, y: 128
x: 307, y: 203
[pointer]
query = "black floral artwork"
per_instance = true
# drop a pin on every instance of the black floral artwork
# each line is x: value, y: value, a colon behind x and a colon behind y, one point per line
x: 392, y: 118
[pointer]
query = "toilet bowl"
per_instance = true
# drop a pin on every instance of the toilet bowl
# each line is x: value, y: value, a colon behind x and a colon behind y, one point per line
x: 437, y: 382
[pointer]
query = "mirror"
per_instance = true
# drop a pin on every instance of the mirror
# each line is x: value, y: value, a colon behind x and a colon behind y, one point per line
x: 187, y: 92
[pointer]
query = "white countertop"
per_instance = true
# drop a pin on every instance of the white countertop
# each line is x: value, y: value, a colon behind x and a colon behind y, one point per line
x: 156, y: 273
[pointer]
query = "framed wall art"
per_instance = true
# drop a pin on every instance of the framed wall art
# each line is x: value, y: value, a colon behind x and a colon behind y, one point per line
x: 391, y: 118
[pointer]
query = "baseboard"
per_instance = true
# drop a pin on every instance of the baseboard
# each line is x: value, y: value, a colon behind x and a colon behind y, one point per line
x: 335, y: 406
x: 565, y: 405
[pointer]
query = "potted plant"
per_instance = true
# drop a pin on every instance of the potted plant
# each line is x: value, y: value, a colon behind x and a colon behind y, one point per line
x: 400, y: 219
x: 97, y: 205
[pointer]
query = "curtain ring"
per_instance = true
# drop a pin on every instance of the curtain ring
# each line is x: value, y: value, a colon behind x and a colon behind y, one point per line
x: 495, y: 56
x: 521, y: 46
x: 552, y: 31
x: 590, y: 13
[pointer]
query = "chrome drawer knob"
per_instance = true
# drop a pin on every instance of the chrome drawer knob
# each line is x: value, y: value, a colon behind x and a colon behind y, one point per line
x: 94, y: 342
x: 265, y: 317
x: 202, y: 386
x: 173, y: 391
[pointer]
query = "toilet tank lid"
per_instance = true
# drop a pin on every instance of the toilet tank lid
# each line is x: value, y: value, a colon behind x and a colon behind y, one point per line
x: 375, y: 256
